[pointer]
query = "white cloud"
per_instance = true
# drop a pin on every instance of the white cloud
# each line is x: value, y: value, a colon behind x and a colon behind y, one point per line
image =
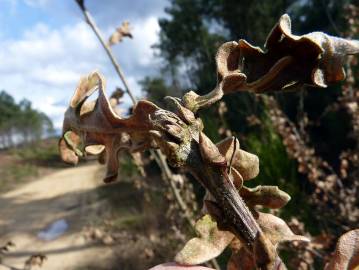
x: 45, y: 64
x: 147, y: 32
x: 36, y: 3
x: 31, y: 3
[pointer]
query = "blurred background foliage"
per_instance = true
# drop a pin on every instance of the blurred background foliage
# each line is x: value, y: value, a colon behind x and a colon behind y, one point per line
x: 27, y: 145
x: 21, y: 123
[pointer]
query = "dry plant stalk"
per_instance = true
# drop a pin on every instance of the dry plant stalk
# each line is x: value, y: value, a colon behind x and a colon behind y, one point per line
x: 231, y: 217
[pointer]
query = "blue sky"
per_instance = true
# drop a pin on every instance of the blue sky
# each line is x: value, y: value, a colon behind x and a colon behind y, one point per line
x: 45, y: 47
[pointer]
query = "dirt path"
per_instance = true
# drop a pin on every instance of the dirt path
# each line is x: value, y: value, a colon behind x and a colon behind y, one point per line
x: 67, y: 197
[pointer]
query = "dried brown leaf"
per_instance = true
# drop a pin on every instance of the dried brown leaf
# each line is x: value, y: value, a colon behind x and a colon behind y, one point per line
x: 74, y: 141
x: 267, y: 196
x: 123, y: 31
x: 288, y: 61
x: 245, y: 163
x: 209, y: 244
x: 346, y: 255
x: 85, y: 88
x: 236, y: 178
x: 95, y: 149
x: 96, y: 123
x: 66, y: 153
x: 277, y: 230
x: 210, y: 152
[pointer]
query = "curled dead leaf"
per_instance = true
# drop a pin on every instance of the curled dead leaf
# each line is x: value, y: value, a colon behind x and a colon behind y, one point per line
x: 346, y: 255
x: 100, y: 129
x: 236, y: 178
x: 85, y: 88
x: 288, y: 61
x: 245, y: 163
x: 209, y: 151
x: 66, y: 153
x: 95, y: 149
x: 74, y: 141
x: 267, y: 196
x: 209, y: 244
x: 185, y: 114
x: 277, y: 230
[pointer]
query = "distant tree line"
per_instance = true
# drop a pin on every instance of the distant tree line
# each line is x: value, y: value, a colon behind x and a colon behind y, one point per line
x: 20, y: 123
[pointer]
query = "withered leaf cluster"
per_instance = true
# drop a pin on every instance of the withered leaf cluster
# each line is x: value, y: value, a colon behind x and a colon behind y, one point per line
x: 288, y: 61
x: 232, y: 216
x: 91, y: 127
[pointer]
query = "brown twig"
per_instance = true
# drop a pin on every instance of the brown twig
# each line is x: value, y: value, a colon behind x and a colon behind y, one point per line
x: 91, y: 22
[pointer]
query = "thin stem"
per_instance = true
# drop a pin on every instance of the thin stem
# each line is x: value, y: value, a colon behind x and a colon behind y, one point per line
x: 168, y: 174
x: 91, y: 22
x: 330, y: 18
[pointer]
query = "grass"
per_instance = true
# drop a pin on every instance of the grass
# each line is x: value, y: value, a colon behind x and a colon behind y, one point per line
x: 20, y: 171
x: 14, y: 173
x: 42, y: 153
x: 27, y: 162
x: 133, y: 221
x: 125, y: 203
